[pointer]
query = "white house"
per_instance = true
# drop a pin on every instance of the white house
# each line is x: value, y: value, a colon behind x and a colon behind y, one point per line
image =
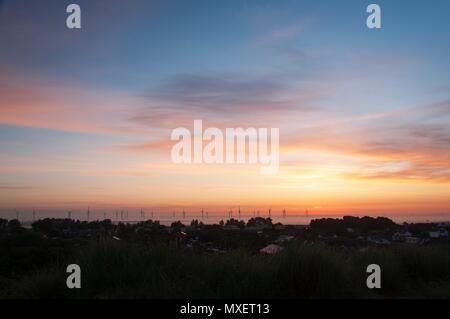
x: 440, y: 233
x: 400, y: 236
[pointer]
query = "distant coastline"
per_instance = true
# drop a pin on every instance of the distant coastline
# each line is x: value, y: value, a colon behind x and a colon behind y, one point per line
x: 290, y: 219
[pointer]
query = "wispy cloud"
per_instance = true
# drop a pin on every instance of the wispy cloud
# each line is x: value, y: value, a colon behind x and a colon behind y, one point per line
x: 15, y: 187
x: 225, y: 99
x: 279, y: 34
x: 417, y: 137
x: 48, y: 103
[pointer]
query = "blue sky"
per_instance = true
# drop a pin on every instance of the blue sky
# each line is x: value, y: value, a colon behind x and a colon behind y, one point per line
x: 145, y: 41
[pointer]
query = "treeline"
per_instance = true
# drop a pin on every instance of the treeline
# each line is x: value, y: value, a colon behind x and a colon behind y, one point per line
x: 362, y: 225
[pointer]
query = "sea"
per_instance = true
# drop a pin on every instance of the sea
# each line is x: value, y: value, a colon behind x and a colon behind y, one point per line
x: 27, y: 218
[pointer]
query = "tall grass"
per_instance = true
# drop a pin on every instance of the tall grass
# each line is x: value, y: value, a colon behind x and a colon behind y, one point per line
x: 122, y: 270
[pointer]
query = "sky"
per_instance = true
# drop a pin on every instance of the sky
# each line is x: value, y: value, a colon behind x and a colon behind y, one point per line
x: 86, y: 114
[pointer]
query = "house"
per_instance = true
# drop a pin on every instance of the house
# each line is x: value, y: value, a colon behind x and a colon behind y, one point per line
x: 440, y: 233
x: 400, y: 236
x: 271, y: 249
x: 177, y: 238
x: 412, y: 240
x: 378, y: 241
x: 433, y: 234
x: 283, y: 238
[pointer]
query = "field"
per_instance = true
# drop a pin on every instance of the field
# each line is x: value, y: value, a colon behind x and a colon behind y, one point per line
x: 112, y: 269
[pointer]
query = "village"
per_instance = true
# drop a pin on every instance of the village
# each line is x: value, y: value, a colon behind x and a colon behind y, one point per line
x: 258, y: 234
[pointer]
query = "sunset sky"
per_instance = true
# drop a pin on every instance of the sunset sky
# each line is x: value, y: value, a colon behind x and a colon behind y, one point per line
x: 86, y: 115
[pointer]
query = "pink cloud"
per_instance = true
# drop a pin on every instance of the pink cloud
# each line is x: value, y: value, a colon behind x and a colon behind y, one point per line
x: 44, y: 103
x: 279, y: 34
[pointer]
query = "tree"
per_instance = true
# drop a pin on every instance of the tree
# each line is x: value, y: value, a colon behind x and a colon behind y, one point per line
x: 177, y: 226
x: 235, y: 222
x: 259, y: 221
